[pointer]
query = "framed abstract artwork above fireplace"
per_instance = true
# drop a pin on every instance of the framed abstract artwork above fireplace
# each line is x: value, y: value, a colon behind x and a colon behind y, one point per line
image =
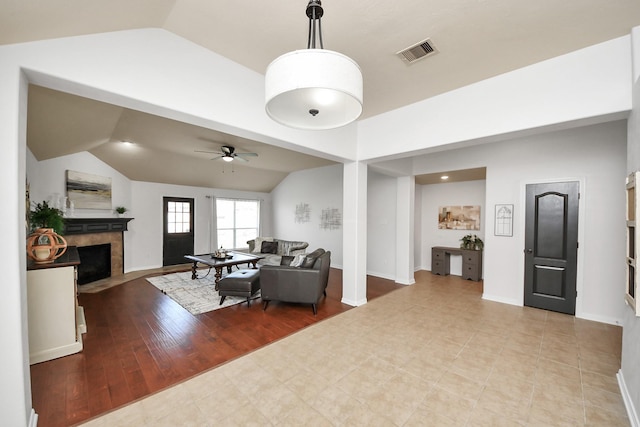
x: 88, y: 191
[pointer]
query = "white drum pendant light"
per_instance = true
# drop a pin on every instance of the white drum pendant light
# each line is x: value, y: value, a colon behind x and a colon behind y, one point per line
x: 313, y: 88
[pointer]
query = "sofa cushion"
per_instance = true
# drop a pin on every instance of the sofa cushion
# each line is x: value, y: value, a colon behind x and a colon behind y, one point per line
x: 297, y: 260
x: 311, y: 258
x: 258, y: 243
x: 286, y: 260
x: 269, y: 247
x: 270, y: 259
x: 288, y: 247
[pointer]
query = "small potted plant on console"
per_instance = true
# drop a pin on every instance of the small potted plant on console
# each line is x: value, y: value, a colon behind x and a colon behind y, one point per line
x: 471, y: 241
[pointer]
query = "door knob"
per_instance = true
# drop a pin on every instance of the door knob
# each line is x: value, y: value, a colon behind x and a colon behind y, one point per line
x: 528, y: 251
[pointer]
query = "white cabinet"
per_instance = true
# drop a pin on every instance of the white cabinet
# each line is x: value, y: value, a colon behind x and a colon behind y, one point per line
x: 55, y: 320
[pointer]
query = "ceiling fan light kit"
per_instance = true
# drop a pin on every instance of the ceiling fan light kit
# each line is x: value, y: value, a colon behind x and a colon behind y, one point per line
x: 228, y: 153
x: 313, y: 88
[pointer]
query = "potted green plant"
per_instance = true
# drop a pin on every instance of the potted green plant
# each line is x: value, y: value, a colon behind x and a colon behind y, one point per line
x: 45, y: 216
x: 121, y: 210
x: 471, y: 241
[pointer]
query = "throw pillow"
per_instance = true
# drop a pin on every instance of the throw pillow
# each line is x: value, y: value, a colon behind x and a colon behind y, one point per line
x: 297, y: 260
x: 311, y: 258
x: 257, y: 248
x: 269, y: 248
x: 286, y: 260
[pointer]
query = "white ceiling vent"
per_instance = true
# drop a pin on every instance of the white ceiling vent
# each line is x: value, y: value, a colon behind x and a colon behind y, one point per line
x: 418, y: 51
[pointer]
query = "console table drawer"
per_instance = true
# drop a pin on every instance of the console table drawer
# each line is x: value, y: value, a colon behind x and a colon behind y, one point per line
x: 471, y: 258
x: 437, y: 254
x: 439, y: 262
x: 439, y: 267
x: 472, y: 265
x: 471, y: 272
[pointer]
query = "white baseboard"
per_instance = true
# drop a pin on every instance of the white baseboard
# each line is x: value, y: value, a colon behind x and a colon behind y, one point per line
x: 143, y: 267
x: 601, y: 319
x: 33, y: 418
x: 381, y: 275
x: 54, y: 353
x: 501, y: 299
x: 628, y: 402
x: 354, y: 303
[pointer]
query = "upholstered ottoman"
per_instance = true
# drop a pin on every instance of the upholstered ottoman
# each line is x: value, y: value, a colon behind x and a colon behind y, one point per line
x: 241, y: 283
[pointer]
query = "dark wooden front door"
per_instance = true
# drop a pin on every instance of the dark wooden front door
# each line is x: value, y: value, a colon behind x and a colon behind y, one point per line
x: 551, y: 246
x: 178, y: 230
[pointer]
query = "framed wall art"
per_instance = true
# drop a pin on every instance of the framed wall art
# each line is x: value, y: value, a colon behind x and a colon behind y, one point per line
x: 330, y: 219
x: 459, y: 217
x: 503, y: 221
x: 88, y: 191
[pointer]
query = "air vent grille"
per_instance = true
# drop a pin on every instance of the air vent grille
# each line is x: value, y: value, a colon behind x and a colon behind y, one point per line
x: 418, y: 51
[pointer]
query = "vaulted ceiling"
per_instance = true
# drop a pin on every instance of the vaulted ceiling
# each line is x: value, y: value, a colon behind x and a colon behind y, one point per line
x: 475, y: 39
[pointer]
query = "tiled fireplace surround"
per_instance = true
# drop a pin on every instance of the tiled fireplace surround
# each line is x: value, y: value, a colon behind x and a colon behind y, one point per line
x: 97, y: 231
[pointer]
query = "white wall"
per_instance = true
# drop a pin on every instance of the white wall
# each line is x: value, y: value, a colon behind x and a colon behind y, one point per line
x: 381, y: 225
x: 629, y: 375
x: 583, y: 87
x: 145, y: 232
x: 594, y: 156
x: 469, y: 193
x: 320, y: 188
x: 48, y: 177
x: 418, y: 230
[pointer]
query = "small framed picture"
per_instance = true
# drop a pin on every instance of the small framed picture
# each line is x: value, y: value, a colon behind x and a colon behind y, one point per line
x: 504, y: 221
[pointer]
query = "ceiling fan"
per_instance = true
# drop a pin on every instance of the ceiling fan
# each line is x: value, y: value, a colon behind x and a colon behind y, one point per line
x: 228, y: 154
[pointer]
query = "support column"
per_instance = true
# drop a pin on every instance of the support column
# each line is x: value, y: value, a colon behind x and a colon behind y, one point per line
x: 15, y: 377
x: 405, y: 212
x: 354, y: 236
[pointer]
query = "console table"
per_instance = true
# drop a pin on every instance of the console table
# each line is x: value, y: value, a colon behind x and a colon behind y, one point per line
x: 471, y: 262
x: 56, y: 322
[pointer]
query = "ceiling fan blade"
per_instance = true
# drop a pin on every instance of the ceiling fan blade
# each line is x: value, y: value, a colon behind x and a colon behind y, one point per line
x: 240, y: 158
x: 216, y: 158
x: 247, y: 154
x: 210, y: 152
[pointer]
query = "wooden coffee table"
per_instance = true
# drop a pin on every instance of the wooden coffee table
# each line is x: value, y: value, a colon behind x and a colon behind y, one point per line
x: 234, y: 258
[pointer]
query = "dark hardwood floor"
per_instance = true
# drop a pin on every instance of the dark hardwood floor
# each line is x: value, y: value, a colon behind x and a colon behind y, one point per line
x: 140, y: 341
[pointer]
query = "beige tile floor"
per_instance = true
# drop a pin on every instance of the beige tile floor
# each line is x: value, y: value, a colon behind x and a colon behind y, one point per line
x: 431, y: 354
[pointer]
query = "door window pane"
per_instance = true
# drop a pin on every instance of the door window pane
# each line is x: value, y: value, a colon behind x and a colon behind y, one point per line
x: 178, y: 217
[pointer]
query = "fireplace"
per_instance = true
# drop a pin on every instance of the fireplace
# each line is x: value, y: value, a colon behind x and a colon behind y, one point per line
x: 95, y: 263
x: 88, y: 232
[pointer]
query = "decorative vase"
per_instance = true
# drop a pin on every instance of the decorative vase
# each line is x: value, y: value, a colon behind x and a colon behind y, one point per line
x: 45, y: 246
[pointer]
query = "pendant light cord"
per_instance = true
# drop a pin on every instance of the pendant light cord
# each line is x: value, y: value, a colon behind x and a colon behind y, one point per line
x: 314, y: 12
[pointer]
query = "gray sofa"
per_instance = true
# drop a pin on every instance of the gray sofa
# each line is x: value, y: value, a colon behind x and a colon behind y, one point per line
x: 305, y: 284
x: 285, y: 247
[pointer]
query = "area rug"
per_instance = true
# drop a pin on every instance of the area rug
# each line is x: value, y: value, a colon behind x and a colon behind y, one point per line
x: 196, y: 296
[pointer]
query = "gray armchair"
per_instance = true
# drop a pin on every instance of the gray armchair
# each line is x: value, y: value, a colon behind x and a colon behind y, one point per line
x: 297, y: 284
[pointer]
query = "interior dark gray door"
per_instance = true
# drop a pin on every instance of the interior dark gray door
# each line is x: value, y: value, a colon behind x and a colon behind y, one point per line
x: 551, y: 246
x: 178, y: 230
